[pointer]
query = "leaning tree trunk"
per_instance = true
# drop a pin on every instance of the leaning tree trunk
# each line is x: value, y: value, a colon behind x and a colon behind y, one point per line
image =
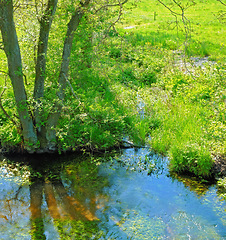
x: 40, y: 69
x: 54, y: 117
x: 12, y: 51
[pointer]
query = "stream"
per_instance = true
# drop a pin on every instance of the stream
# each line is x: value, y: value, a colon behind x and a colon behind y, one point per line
x: 128, y: 194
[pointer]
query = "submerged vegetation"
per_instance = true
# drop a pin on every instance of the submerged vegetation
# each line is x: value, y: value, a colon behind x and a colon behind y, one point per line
x: 155, y: 77
x: 86, y: 196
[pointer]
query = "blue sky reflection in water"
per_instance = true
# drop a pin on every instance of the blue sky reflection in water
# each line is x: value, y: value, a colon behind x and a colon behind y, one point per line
x: 132, y: 195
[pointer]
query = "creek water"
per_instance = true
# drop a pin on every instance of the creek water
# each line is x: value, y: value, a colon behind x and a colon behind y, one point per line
x: 124, y: 195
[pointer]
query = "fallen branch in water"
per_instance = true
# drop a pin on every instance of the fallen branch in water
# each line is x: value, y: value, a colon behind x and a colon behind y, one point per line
x: 130, y: 144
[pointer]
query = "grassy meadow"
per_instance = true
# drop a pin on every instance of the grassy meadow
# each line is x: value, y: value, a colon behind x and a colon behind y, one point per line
x: 143, y: 80
x: 205, y: 30
x: 185, y: 105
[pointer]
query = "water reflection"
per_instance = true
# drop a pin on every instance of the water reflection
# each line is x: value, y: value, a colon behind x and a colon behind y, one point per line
x: 61, y: 205
x: 51, y: 185
x: 50, y: 200
x: 193, y: 184
x: 130, y: 196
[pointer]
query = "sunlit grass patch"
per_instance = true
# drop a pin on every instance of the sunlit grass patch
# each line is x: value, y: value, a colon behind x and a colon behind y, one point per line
x: 204, y: 33
x: 184, y: 136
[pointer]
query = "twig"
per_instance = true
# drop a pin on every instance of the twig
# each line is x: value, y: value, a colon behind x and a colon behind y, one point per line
x: 1, y: 46
x: 6, y: 73
x: 222, y: 2
x: 36, y: 9
x: 174, y: 13
x: 112, y: 25
x: 1, y: 105
x: 186, y: 24
x: 72, y: 90
x: 25, y: 79
x: 111, y: 5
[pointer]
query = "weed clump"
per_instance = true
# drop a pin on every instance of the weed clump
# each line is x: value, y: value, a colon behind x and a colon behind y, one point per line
x: 191, y: 158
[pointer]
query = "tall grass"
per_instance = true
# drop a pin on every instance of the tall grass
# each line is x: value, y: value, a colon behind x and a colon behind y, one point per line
x: 182, y: 136
x: 183, y: 114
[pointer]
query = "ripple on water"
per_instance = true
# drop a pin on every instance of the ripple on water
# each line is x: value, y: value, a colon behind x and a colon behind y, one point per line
x: 132, y: 195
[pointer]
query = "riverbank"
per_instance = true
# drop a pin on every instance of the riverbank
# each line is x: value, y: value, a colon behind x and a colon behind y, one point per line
x: 89, y: 197
x: 142, y: 82
x: 218, y: 169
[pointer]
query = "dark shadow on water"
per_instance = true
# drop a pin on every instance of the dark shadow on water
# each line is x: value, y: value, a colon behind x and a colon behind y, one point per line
x: 47, y: 187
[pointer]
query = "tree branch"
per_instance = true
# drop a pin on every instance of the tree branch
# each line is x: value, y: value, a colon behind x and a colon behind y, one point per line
x: 1, y: 46
x: 174, y: 13
x: 112, y: 25
x: 53, y: 118
x: 80, y: 103
x: 111, y: 5
x: 40, y: 68
x: 1, y: 105
x: 185, y: 21
x: 45, y: 25
x: 222, y: 2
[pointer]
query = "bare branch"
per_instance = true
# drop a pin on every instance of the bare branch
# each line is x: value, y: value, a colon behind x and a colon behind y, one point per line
x: 222, y: 2
x: 16, y: 6
x: 1, y: 105
x: 25, y: 79
x: 110, y: 5
x: 33, y: 37
x: 85, y: 3
x: 112, y: 25
x: 221, y: 15
x: 36, y: 9
x: 186, y: 24
x: 173, y: 12
x: 6, y: 73
x: 72, y: 90
x: 80, y: 103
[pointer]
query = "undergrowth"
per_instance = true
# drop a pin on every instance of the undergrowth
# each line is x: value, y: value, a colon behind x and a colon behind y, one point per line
x: 135, y: 84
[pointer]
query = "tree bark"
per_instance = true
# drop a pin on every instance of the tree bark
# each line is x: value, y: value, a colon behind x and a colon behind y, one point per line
x: 45, y: 26
x: 12, y: 51
x: 54, y: 117
x: 36, y: 136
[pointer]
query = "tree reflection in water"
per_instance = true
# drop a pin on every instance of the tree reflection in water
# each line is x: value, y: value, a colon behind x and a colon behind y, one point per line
x: 72, y: 209
x: 36, y: 195
x: 133, y: 195
x: 64, y: 208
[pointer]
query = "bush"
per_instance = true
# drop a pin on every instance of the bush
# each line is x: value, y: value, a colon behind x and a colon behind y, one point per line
x: 191, y: 158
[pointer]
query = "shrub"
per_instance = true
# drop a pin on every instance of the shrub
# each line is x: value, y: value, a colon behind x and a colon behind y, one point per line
x: 191, y: 158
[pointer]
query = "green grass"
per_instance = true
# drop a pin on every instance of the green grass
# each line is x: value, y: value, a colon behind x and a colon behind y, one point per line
x: 152, y: 20
x: 184, y: 115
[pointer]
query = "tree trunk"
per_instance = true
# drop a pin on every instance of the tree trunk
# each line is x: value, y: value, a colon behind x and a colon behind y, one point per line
x: 12, y: 51
x: 45, y: 26
x: 54, y: 117
x: 44, y: 135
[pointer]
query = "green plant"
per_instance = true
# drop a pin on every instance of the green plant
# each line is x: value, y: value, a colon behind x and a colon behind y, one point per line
x: 191, y: 158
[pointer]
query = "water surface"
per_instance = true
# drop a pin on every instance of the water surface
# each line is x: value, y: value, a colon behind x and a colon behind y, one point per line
x: 126, y: 195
